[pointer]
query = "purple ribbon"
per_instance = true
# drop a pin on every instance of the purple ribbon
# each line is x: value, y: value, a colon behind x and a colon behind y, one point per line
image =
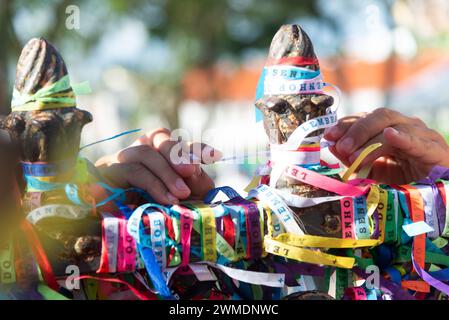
x: 388, y: 287
x: 376, y: 231
x: 440, y: 208
x: 428, y: 278
x: 253, y: 228
x: 219, y: 225
x: 254, y: 236
x: 292, y: 270
x: 437, y: 172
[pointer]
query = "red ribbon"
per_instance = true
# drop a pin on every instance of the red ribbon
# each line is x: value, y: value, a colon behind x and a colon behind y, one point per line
x: 229, y: 230
x: 295, y: 61
x: 137, y: 293
x: 416, y: 205
x: 39, y: 254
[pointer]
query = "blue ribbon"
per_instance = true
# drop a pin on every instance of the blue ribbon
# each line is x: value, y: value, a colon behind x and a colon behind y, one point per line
x: 42, y: 186
x: 260, y: 93
x: 371, y: 294
x: 110, y: 138
x: 154, y: 272
x: 287, y: 72
x: 228, y: 191
x: 394, y: 274
x: 294, y: 73
x: 46, y: 169
x: 148, y: 257
x: 442, y: 275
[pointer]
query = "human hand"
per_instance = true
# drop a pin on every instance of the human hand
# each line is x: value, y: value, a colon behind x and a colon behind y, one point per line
x: 409, y: 148
x: 149, y: 163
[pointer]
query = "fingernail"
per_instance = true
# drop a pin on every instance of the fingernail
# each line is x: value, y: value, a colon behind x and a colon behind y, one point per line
x: 181, y: 185
x: 394, y: 131
x: 210, y: 155
x: 172, y: 198
x: 346, y: 145
x: 217, y: 154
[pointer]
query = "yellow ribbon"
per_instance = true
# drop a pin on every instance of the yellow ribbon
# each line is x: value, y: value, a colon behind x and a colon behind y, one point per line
x: 276, y: 247
x: 371, y: 203
x: 252, y: 184
x: 306, y: 255
x: 324, y: 242
x: 382, y: 211
x: 359, y: 160
x: 7, y: 271
x: 208, y: 234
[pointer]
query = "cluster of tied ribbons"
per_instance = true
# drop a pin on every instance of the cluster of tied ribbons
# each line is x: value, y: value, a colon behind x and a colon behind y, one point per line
x: 393, y: 238
x: 393, y: 242
x: 393, y: 245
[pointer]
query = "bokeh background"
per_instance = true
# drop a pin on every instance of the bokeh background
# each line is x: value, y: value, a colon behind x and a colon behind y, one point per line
x: 194, y: 64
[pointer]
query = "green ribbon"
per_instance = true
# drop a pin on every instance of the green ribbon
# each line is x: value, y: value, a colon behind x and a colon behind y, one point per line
x: 403, y: 254
x: 362, y: 263
x: 50, y: 294
x: 45, y: 97
x: 342, y: 282
x: 390, y: 220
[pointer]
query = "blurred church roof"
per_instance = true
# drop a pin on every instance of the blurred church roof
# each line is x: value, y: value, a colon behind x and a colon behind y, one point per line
x: 227, y: 82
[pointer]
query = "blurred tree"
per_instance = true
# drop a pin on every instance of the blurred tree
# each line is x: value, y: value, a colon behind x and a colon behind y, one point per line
x: 197, y: 32
x: 10, y: 47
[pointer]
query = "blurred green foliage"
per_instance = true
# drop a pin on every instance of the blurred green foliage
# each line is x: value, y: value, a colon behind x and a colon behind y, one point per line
x: 197, y: 32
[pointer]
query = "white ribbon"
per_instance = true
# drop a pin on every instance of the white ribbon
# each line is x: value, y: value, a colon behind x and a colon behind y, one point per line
x: 57, y: 210
x: 275, y: 86
x: 276, y: 280
x: 429, y: 209
x: 293, y: 200
x: 279, y: 155
x: 284, y: 214
x: 295, y: 140
x: 111, y: 230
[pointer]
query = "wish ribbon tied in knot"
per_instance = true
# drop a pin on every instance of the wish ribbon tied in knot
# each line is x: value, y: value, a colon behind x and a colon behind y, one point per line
x: 297, y: 137
x: 291, y: 80
x: 60, y: 94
